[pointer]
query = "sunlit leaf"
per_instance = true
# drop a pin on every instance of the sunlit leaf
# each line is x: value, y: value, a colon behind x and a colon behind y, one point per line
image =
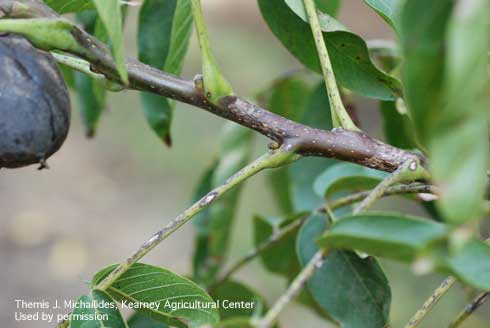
x: 96, y: 310
x: 164, y: 290
x: 348, y: 52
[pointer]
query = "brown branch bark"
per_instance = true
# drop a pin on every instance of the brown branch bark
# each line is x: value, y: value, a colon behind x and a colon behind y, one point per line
x: 340, y: 144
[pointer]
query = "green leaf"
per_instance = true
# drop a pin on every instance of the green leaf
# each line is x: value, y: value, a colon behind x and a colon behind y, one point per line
x: 164, y: 291
x: 348, y: 52
x: 288, y: 97
x: 386, y: 235
x: 163, y: 37
x: 91, y: 94
x: 303, y: 173
x: 230, y: 293
x: 353, y: 291
x: 68, y: 75
x: 330, y: 7
x: 214, y: 225
x: 398, y: 128
x: 139, y: 320
x: 235, y: 323
x: 69, y: 6
x: 111, y: 16
x: 471, y: 264
x: 96, y: 310
x: 447, y: 87
x: 423, y: 69
x: 273, y: 258
x: 388, y: 9
x: 346, y: 177
x: 91, y: 101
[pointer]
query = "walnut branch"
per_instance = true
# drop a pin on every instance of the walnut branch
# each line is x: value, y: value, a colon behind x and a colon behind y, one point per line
x: 345, y: 145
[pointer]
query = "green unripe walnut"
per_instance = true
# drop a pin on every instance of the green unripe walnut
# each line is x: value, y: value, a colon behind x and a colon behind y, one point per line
x: 34, y: 103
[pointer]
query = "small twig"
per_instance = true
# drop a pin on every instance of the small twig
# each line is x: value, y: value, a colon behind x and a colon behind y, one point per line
x: 409, y: 170
x: 293, y: 290
x: 269, y: 160
x: 310, y: 268
x: 431, y: 301
x: 470, y: 308
x: 265, y: 245
x: 344, y: 145
x: 414, y: 188
x: 340, y: 117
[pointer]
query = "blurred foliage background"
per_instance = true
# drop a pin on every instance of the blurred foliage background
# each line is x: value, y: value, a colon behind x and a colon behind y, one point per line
x: 103, y: 197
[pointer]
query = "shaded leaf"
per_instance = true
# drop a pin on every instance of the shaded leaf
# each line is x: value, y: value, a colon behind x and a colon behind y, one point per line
x: 397, y: 126
x: 447, y: 92
x: 91, y: 101
x: 288, y: 97
x: 273, y: 258
x: 233, y: 292
x: 69, y: 6
x: 388, y: 9
x: 235, y: 323
x: 353, y: 291
x: 386, y: 235
x: 96, y: 310
x: 347, y: 177
x: 471, y: 264
x: 348, y: 52
x: 139, y: 320
x: 292, y: 185
x: 214, y: 225
x: 165, y: 290
x: 163, y: 38
x: 91, y: 95
x: 111, y: 16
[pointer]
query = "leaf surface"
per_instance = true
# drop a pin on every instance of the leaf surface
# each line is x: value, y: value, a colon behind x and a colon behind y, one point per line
x: 164, y: 31
x: 348, y: 52
x: 353, y: 291
x: 96, y: 310
x: 165, y: 290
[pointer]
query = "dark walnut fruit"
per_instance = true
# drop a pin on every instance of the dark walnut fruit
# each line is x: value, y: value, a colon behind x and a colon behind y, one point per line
x: 34, y: 104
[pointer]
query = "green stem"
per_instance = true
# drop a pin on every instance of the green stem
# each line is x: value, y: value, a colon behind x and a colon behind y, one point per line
x: 470, y: 308
x: 265, y: 245
x: 293, y: 290
x: 83, y: 66
x: 285, y: 231
x: 340, y: 117
x: 215, y: 84
x: 431, y: 301
x: 269, y: 160
x: 410, y: 170
x: 78, y: 64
